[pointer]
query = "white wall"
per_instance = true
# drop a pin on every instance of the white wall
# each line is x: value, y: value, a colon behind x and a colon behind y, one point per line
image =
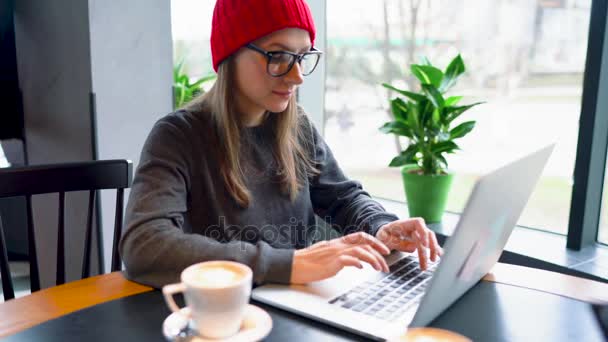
x: 131, y: 66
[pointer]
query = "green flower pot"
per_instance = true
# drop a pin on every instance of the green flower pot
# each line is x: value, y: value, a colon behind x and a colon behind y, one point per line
x: 426, y: 195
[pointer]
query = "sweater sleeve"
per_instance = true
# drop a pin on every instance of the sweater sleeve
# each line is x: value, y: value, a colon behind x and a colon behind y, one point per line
x: 154, y: 248
x: 342, y: 202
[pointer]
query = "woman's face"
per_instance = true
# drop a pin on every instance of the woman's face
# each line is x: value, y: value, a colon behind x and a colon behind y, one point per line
x: 257, y: 91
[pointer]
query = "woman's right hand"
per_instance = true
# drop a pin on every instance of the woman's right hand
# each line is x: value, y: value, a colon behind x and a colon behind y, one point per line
x: 326, y: 258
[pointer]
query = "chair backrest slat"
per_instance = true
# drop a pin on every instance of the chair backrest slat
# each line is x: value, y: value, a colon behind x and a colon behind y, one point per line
x: 86, y: 257
x: 61, y: 241
x: 116, y: 266
x: 32, y: 252
x: 61, y: 178
x: 45, y: 179
x: 5, y: 271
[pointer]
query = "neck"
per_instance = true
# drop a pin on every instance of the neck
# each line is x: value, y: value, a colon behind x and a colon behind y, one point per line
x: 252, y: 120
x: 251, y: 114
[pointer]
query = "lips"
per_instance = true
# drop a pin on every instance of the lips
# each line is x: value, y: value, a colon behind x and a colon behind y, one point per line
x: 283, y: 93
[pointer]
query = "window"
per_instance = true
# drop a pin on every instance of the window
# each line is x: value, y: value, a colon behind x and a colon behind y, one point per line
x: 525, y: 58
x: 191, y: 29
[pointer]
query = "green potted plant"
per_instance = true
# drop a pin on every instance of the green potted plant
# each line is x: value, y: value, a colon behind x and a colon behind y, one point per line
x: 183, y: 90
x: 426, y: 118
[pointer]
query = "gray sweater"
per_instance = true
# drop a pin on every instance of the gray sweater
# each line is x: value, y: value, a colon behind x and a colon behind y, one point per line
x: 179, y: 212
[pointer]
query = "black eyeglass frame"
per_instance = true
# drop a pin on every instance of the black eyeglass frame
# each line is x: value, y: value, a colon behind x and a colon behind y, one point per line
x: 295, y: 57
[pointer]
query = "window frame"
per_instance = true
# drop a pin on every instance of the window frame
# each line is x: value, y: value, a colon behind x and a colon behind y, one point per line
x: 592, y: 146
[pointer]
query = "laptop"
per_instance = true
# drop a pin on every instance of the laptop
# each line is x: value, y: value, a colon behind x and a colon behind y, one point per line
x: 382, y: 305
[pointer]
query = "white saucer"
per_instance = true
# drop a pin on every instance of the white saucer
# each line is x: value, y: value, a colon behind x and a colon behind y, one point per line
x: 256, y: 325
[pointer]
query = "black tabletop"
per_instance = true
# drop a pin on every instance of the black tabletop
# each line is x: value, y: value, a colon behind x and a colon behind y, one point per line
x: 488, y: 312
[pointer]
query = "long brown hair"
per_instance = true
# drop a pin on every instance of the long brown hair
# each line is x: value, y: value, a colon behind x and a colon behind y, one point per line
x: 289, y: 146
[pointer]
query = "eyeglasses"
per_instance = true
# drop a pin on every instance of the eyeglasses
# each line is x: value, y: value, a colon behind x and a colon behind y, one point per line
x: 279, y: 63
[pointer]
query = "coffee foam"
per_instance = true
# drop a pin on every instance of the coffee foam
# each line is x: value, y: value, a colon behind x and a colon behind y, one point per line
x: 215, y: 275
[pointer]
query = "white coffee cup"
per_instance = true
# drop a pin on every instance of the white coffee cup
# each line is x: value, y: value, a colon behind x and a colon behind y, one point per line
x: 216, y: 293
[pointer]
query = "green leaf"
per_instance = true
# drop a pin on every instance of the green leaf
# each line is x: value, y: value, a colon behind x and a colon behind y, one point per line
x: 398, y: 128
x: 399, y: 109
x: 452, y: 100
x: 182, y: 95
x: 427, y: 74
x: 425, y: 110
x: 436, y: 120
x: 183, y: 79
x: 414, y: 96
x: 454, y: 69
x: 452, y: 113
x: 433, y: 95
x: 462, y: 129
x: 442, y: 160
x: 177, y: 70
x: 425, y: 61
x: 444, y: 147
x: 179, y: 86
x: 413, y: 120
x: 399, y: 161
x: 405, y: 157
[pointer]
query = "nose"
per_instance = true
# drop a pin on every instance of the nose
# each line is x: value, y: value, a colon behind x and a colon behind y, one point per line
x: 294, y: 76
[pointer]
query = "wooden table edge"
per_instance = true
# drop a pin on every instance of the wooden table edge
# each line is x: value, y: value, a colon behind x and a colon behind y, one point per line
x: 41, y: 306
x: 25, y: 312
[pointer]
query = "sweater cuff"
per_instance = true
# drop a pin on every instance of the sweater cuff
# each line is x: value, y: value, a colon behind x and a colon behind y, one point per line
x: 377, y: 221
x: 275, y: 264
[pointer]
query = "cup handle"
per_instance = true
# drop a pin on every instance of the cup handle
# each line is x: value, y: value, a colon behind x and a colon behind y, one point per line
x: 169, y: 291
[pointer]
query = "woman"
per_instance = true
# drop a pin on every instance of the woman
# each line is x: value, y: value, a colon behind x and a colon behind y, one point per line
x: 240, y: 173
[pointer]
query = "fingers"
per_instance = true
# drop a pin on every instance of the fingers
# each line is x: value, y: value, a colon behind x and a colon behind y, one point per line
x: 409, y: 231
x: 407, y: 246
x: 379, y: 258
x: 404, y: 235
x: 420, y: 234
x: 421, y: 231
x: 347, y: 260
x: 368, y: 249
x: 389, y: 237
x: 362, y: 238
x: 432, y: 247
x: 422, y: 257
x: 369, y: 255
x: 436, y: 250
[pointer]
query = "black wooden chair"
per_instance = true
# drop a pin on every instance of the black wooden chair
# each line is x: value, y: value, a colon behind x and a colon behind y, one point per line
x: 61, y: 178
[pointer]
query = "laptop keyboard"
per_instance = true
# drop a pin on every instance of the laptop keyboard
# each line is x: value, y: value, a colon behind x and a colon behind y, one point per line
x: 391, y: 296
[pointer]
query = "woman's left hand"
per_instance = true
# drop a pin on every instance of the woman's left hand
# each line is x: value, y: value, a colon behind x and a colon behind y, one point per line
x: 409, y: 235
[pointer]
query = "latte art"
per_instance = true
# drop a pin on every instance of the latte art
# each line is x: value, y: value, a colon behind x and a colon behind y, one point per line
x: 219, y: 275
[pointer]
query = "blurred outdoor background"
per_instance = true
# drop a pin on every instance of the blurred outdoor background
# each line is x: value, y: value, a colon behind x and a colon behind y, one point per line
x: 524, y: 58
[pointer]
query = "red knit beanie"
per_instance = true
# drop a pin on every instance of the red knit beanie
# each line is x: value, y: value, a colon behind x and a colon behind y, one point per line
x: 239, y: 22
